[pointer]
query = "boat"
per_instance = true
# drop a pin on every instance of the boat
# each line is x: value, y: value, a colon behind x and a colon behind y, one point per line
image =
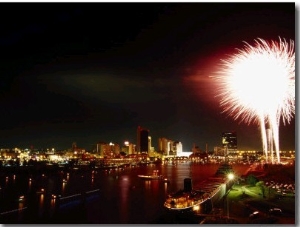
x: 154, y: 176
x: 201, y: 198
x: 42, y: 191
x: 188, y: 199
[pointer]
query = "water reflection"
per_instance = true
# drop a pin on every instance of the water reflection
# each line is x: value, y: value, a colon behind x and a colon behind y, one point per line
x: 52, y: 205
x: 41, y: 204
x: 123, y: 197
x: 29, y: 184
x: 166, y: 187
x: 147, y: 184
x: 124, y: 185
x: 155, y: 186
x: 20, y: 209
x: 63, y: 187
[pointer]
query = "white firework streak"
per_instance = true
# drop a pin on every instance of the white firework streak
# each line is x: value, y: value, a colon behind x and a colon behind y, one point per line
x: 257, y: 84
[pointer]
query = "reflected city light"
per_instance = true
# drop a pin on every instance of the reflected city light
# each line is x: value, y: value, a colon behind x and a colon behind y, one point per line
x: 147, y: 184
x: 63, y: 187
x: 53, y: 200
x: 41, y: 200
x: 41, y: 203
x: 21, y: 206
x: 166, y: 188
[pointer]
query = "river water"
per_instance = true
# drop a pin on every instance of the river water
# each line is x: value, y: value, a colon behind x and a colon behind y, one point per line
x: 117, y: 196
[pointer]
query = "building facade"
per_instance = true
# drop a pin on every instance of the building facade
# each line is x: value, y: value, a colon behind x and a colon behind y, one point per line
x: 229, y: 143
x: 108, y: 149
x: 128, y: 148
x: 169, y: 147
x: 142, y: 144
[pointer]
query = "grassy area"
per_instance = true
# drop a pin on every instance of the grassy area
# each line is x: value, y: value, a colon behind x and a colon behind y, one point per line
x: 242, y: 199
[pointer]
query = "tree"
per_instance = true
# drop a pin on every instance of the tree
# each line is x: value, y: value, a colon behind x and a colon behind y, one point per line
x: 251, y: 180
x: 261, y: 185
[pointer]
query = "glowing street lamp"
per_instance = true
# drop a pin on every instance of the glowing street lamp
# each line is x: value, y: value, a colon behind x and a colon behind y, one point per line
x: 230, y: 176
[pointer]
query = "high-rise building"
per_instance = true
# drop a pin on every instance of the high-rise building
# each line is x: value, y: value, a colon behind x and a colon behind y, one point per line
x: 142, y: 140
x: 108, y: 149
x: 164, y: 146
x: 128, y: 148
x: 229, y: 142
x: 177, y: 148
x: 169, y: 147
x: 101, y: 148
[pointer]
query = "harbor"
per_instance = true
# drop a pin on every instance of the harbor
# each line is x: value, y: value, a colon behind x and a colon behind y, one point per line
x: 119, y: 196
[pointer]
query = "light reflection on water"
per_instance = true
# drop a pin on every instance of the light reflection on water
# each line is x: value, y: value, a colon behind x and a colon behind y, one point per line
x: 124, y: 187
x: 123, y: 197
x: 41, y: 204
x: 63, y: 188
x: 29, y: 184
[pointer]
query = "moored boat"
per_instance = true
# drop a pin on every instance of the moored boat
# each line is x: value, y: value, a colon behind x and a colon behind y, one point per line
x: 188, y: 199
x: 201, y: 198
x: 154, y: 176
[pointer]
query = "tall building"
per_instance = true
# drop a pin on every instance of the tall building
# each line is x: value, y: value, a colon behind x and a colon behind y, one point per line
x: 108, y: 149
x: 169, y: 147
x: 177, y: 148
x: 229, y: 143
x: 128, y: 148
x: 101, y: 148
x: 164, y: 146
x: 149, y: 143
x: 142, y: 140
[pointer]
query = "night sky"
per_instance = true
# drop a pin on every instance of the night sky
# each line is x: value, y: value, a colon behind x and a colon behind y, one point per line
x: 85, y: 73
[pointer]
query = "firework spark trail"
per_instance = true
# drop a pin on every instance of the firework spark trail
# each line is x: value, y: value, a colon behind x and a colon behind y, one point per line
x: 257, y: 84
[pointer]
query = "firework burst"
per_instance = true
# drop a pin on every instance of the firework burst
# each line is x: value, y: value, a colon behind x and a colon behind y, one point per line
x: 257, y: 84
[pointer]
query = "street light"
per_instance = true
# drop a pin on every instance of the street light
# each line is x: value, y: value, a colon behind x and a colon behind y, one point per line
x: 230, y: 177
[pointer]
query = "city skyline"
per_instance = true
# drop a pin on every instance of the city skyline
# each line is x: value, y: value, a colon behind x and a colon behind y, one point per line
x: 70, y: 76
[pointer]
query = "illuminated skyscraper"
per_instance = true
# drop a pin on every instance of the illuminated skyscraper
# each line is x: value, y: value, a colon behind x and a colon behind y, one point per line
x: 142, y: 139
x: 128, y: 148
x: 169, y: 147
x: 229, y: 142
x: 164, y: 146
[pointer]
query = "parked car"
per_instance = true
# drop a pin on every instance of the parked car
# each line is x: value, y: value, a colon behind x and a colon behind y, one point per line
x: 275, y: 211
x: 254, y: 215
